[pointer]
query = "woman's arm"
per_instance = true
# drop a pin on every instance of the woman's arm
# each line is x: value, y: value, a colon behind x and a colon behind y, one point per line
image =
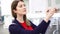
x: 42, y: 27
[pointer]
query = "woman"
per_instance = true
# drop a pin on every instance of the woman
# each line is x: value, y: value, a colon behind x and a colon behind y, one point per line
x: 20, y: 25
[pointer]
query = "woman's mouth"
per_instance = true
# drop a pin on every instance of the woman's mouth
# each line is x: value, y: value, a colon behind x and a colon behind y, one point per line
x: 24, y: 10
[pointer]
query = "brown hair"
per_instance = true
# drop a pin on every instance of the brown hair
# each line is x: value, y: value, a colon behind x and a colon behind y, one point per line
x: 13, y: 7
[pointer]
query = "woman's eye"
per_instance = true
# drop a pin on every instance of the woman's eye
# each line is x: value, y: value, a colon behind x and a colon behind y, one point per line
x: 20, y: 6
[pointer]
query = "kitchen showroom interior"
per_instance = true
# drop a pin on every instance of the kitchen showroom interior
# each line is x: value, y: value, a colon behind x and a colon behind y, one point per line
x: 35, y: 13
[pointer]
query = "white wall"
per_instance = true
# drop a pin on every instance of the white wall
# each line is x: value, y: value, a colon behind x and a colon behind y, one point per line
x: 5, y: 7
x: 37, y: 5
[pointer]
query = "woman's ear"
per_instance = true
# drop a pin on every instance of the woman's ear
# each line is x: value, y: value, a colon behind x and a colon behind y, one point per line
x: 14, y: 11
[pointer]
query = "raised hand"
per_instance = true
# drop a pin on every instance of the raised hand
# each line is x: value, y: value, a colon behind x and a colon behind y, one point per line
x: 49, y: 13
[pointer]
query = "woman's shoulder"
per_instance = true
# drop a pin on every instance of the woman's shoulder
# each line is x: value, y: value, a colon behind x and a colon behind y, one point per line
x: 13, y: 25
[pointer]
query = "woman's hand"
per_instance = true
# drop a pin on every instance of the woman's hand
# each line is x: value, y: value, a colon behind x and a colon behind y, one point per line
x: 49, y: 13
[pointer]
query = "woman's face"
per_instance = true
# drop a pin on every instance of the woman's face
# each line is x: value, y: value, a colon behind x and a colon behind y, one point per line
x: 20, y: 8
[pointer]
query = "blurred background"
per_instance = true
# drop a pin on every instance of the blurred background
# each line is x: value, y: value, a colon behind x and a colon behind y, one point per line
x: 35, y: 12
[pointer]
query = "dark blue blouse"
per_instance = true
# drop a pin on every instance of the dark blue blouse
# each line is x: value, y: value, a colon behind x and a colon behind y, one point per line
x: 16, y: 28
